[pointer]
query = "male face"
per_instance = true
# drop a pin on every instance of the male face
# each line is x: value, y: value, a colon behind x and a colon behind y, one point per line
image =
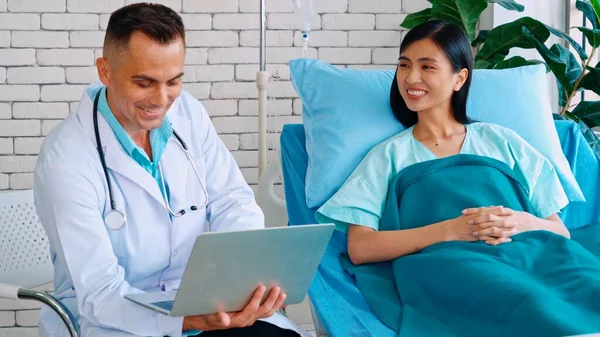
x: 142, y: 80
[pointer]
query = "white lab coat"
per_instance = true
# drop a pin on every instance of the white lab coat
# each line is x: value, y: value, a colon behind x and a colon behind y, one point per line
x: 95, y: 266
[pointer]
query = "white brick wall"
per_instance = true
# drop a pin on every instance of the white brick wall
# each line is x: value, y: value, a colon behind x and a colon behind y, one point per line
x: 48, y: 50
x: 17, y: 57
x: 37, y: 6
x: 7, y: 318
x: 348, y: 21
x: 5, y: 111
x: 39, y: 39
x: 70, y: 21
x: 35, y: 75
x: 19, y: 21
x: 4, y: 38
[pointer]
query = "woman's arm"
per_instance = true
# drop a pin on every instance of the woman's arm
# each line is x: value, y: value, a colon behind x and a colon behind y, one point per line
x: 366, y: 245
x: 553, y: 224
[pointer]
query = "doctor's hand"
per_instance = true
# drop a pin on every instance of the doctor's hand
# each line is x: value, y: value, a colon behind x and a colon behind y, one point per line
x: 239, y: 319
x: 463, y: 228
x: 494, y: 224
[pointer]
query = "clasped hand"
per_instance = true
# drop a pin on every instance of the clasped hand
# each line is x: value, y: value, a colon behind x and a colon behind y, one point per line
x: 494, y: 225
x: 239, y: 319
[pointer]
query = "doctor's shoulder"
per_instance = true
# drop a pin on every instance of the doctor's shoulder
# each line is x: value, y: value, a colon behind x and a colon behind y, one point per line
x: 189, y: 107
x: 68, y: 146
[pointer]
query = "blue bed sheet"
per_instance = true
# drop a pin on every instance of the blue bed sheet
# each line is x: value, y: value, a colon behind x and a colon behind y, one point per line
x: 341, y: 307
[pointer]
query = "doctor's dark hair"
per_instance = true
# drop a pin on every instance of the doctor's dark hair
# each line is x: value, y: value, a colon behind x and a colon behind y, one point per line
x: 454, y: 43
x: 158, y: 22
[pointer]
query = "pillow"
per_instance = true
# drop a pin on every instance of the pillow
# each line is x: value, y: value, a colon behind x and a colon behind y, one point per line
x: 346, y: 112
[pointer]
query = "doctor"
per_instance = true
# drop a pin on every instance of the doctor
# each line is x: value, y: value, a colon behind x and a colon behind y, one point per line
x: 127, y: 182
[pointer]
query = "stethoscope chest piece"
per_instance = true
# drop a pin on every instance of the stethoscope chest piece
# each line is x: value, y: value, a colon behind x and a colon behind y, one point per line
x: 115, y: 220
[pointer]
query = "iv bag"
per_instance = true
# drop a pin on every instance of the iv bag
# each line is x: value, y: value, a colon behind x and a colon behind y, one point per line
x: 304, y: 8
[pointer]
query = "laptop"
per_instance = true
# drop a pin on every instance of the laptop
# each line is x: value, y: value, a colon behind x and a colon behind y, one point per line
x: 225, y: 269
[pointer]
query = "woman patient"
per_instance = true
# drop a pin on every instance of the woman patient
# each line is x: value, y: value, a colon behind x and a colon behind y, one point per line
x: 429, y: 97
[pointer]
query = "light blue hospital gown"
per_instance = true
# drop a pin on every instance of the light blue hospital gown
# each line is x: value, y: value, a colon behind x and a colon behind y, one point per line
x: 361, y: 199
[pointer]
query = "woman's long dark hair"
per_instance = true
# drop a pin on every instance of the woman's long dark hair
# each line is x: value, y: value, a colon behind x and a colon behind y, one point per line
x: 454, y: 43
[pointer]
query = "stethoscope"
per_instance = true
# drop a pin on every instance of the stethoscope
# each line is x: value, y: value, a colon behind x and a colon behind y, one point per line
x: 116, y: 219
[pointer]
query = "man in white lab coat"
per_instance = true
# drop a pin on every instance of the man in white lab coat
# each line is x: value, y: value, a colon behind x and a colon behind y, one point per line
x: 121, y: 201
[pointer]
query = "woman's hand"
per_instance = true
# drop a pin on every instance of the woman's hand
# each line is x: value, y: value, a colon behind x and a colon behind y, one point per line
x: 494, y: 222
x: 464, y: 228
x: 239, y: 319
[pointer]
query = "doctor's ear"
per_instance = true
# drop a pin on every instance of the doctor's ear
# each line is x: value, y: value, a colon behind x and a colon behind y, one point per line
x: 103, y: 70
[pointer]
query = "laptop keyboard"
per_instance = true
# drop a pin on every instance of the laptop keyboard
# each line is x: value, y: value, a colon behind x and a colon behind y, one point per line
x: 167, y: 305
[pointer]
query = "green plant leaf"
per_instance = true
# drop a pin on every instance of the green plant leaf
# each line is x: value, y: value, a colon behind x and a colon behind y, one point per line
x: 515, y: 61
x: 504, y: 37
x: 588, y: 10
x: 569, y: 39
x: 572, y: 117
x: 573, y: 67
x: 480, y: 38
x: 589, y: 112
x: 591, y: 80
x: 483, y: 65
x: 560, y: 60
x: 590, y: 137
x: 511, y: 5
x: 593, y: 36
x: 415, y: 19
x: 596, y: 6
x: 558, y: 117
x: 464, y: 13
x: 562, y: 94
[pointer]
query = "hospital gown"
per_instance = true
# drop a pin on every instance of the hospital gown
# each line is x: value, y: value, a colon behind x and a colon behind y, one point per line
x: 361, y: 199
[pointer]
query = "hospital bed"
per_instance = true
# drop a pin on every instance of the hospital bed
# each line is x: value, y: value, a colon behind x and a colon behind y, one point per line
x: 338, y: 307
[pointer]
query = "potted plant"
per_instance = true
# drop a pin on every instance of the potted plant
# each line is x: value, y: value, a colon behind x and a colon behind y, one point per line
x: 573, y: 73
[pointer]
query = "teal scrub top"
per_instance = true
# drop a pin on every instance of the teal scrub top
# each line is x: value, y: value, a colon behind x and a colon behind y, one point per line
x: 361, y: 199
x: 158, y: 140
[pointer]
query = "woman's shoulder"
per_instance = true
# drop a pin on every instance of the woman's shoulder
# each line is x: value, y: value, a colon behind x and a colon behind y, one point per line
x: 390, y: 150
x: 485, y: 126
x: 399, y: 138
x: 492, y: 130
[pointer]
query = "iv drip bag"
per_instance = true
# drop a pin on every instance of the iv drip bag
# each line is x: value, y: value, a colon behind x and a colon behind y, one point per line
x: 304, y: 9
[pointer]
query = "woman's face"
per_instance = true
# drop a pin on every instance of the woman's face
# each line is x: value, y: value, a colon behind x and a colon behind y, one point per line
x: 425, y: 77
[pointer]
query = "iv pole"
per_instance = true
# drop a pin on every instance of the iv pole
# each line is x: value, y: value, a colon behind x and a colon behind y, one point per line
x: 273, y: 206
x: 262, y: 81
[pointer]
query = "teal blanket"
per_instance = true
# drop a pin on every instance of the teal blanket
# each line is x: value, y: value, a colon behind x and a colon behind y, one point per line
x: 541, y: 284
